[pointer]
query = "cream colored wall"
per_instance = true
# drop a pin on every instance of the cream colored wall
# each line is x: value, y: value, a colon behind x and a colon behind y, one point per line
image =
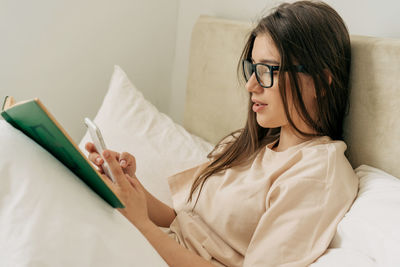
x: 363, y: 17
x: 64, y: 51
x: 189, y: 11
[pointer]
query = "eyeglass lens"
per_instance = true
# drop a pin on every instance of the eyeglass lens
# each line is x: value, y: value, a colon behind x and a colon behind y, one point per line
x: 263, y: 73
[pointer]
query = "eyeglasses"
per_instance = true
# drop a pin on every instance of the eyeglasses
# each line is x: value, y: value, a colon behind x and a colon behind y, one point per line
x: 264, y: 72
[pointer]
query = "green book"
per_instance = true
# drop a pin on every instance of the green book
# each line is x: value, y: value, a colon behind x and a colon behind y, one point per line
x: 34, y: 120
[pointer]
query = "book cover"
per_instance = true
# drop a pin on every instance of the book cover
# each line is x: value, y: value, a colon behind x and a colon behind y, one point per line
x: 34, y: 120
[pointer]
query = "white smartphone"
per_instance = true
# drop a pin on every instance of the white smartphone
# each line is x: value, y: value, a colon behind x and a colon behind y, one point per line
x: 98, y: 141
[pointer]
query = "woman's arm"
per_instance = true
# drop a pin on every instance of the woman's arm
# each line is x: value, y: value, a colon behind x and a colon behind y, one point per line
x: 173, y: 253
x: 131, y: 192
x: 160, y: 213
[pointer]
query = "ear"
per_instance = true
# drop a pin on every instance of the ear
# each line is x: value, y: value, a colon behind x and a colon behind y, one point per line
x: 328, y: 75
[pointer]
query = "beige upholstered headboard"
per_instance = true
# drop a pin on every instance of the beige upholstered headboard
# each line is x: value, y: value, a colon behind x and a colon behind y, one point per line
x: 216, y: 104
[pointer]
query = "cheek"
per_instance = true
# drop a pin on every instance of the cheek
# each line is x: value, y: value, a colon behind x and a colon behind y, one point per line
x: 289, y: 98
x: 278, y: 106
x: 308, y: 95
x: 274, y: 116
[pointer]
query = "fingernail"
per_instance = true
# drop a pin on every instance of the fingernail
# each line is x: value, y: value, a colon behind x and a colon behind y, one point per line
x: 98, y: 160
x: 106, y: 154
x: 122, y: 163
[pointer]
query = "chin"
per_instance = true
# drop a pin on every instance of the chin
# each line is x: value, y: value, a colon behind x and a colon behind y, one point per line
x: 266, y: 124
x: 270, y: 122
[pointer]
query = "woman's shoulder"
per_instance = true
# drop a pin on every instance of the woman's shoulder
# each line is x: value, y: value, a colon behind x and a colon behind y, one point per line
x: 325, y: 161
x: 318, y: 166
x: 324, y: 147
x: 318, y: 158
x: 318, y: 149
x: 327, y: 157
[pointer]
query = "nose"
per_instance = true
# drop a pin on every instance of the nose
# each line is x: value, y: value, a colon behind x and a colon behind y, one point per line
x: 252, y: 85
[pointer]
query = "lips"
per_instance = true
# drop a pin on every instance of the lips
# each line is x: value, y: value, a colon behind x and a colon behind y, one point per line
x: 257, y: 102
x: 258, y: 105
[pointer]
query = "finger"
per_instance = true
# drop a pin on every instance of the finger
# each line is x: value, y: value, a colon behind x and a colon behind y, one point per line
x: 90, y: 147
x: 116, y: 170
x: 131, y: 180
x: 134, y: 183
x: 126, y: 160
x: 95, y: 158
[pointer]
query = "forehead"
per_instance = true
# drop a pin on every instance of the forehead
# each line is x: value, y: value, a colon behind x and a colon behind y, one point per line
x: 264, y: 49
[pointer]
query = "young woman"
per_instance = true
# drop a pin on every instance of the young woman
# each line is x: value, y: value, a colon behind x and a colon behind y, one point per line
x: 273, y: 192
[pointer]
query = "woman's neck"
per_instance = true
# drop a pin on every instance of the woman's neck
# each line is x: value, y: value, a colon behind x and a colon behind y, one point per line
x: 288, y: 138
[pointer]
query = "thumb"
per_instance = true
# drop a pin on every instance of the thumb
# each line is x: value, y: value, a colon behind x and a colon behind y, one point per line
x: 131, y: 180
x: 134, y: 181
x: 114, y: 166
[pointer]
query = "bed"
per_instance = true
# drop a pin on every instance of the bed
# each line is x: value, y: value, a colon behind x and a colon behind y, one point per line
x: 48, y: 217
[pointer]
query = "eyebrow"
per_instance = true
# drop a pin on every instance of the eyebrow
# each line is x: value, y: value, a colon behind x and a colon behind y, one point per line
x: 267, y: 61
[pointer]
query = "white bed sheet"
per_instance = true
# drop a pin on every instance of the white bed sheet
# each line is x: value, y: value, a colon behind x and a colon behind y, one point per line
x: 49, y: 217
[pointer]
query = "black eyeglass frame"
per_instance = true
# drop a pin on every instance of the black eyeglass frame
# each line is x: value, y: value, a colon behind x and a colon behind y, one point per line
x: 297, y: 68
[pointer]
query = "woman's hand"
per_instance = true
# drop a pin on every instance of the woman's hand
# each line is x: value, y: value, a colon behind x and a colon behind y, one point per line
x: 128, y: 188
x: 133, y: 196
x: 126, y: 160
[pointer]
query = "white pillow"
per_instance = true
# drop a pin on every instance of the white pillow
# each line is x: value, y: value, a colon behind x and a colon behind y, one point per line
x: 342, y: 257
x: 372, y: 225
x: 49, y: 217
x: 161, y: 147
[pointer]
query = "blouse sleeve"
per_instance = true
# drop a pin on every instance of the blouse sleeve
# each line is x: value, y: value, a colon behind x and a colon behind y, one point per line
x: 302, y: 212
x: 180, y: 185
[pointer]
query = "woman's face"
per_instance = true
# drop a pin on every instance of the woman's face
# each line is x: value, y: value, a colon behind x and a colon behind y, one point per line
x: 268, y: 104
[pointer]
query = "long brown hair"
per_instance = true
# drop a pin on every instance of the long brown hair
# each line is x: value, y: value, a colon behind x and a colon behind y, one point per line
x: 308, y: 33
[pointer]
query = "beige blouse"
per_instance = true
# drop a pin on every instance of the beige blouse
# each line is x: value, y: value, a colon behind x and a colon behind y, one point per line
x: 282, y: 209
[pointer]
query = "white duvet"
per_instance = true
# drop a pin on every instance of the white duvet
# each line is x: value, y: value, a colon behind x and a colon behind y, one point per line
x: 48, y: 217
